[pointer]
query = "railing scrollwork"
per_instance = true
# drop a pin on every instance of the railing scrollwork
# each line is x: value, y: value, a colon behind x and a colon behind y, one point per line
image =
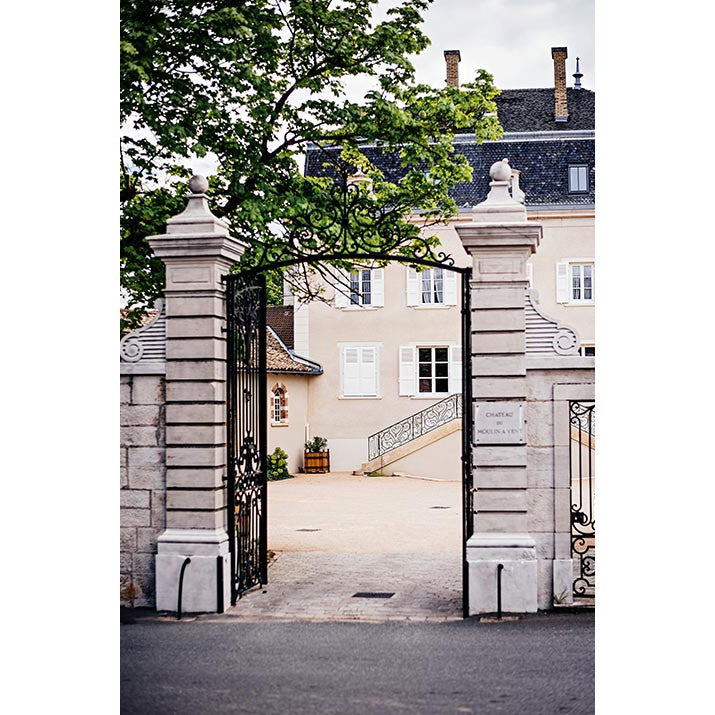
x: 414, y: 426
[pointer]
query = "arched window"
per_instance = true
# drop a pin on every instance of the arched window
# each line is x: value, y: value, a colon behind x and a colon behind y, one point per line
x: 278, y: 405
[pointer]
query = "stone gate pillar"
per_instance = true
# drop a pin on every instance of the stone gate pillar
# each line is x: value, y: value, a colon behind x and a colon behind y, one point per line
x: 500, y: 241
x: 197, y: 250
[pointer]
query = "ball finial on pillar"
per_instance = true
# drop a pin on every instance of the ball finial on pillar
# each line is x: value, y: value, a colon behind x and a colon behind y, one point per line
x: 500, y: 170
x: 198, y: 184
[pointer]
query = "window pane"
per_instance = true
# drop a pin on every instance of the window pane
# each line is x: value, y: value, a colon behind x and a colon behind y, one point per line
x: 441, y: 354
x: 425, y: 369
x: 425, y: 354
x: 438, y: 285
x: 354, y: 289
x: 427, y: 286
x: 582, y: 178
x: 441, y: 369
x: 366, y: 287
x: 573, y: 178
x: 442, y: 385
x: 425, y: 385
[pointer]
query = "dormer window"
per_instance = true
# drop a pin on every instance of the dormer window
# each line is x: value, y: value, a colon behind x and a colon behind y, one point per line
x: 578, y: 178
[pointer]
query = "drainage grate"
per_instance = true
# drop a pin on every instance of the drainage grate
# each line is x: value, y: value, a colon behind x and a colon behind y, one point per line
x: 439, y: 507
x: 372, y: 594
x: 308, y: 529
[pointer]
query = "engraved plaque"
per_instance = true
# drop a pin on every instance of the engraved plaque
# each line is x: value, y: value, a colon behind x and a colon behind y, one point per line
x: 499, y: 423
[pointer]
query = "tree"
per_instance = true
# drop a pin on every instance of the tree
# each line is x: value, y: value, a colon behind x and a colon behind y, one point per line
x: 251, y: 83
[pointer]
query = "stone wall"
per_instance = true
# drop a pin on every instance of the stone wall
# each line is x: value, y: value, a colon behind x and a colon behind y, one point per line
x: 143, y: 484
x: 552, y: 382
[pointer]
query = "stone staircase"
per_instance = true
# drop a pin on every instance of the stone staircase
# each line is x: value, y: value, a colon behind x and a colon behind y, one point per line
x: 413, y: 433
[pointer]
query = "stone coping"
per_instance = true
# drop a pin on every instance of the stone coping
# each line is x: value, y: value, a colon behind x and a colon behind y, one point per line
x: 559, y: 362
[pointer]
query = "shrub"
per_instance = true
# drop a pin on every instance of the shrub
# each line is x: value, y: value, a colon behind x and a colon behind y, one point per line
x: 278, y: 465
x: 317, y: 444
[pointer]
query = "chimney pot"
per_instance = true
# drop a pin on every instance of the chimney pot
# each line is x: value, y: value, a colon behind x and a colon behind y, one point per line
x: 561, y: 111
x: 452, y: 59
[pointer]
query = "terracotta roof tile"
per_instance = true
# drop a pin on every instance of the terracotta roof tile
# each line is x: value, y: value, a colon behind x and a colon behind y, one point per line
x: 280, y: 318
x: 279, y: 359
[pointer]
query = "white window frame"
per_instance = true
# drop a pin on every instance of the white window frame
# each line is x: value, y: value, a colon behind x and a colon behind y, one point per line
x: 579, y: 268
x: 564, y: 281
x: 414, y: 287
x: 434, y: 377
x: 579, y: 172
x: 408, y: 369
x: 357, y: 296
x: 375, y: 348
x: 279, y: 402
x: 346, y: 299
x: 428, y: 277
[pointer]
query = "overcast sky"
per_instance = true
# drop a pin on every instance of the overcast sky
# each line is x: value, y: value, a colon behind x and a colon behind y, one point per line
x: 512, y: 39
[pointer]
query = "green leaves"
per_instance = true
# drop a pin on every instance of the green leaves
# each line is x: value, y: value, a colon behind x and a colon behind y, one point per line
x: 252, y: 83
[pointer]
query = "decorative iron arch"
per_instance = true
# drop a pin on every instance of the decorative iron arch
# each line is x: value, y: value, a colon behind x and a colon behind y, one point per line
x: 447, y: 262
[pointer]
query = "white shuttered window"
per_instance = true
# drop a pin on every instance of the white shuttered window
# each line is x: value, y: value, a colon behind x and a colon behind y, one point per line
x: 575, y: 281
x: 364, y: 287
x: 359, y: 371
x: 432, y: 286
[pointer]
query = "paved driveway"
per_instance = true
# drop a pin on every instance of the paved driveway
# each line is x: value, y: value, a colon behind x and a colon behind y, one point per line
x: 336, y: 535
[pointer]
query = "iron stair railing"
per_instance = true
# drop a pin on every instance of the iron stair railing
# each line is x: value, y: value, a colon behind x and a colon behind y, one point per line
x: 414, y: 426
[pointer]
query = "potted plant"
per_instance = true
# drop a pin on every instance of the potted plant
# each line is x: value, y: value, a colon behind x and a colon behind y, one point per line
x: 316, y: 458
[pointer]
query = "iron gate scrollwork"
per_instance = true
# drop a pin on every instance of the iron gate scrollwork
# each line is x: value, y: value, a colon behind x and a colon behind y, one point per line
x: 582, y: 420
x: 247, y: 410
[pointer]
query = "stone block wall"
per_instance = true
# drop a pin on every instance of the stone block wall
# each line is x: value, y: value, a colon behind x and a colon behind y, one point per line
x: 552, y: 382
x: 142, y: 486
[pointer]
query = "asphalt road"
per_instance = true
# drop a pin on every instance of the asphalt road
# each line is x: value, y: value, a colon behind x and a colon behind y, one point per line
x: 541, y: 664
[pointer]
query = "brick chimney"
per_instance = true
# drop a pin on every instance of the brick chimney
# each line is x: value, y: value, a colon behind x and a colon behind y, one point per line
x: 452, y: 58
x: 561, y: 110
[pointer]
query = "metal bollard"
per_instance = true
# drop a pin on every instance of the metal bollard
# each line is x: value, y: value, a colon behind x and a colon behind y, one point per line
x: 500, y: 568
x: 187, y: 561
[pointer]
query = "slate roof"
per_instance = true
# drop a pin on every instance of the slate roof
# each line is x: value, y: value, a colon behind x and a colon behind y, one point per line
x: 280, y: 318
x: 532, y: 110
x: 543, y: 159
x: 281, y: 360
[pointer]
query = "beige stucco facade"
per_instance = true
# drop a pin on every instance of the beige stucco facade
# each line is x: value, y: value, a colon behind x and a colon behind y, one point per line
x: 324, y: 330
x: 569, y: 236
x: 289, y: 433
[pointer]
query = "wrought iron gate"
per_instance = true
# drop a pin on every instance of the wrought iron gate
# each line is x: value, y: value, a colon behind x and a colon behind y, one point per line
x: 582, y: 444
x: 246, y: 425
x: 247, y: 421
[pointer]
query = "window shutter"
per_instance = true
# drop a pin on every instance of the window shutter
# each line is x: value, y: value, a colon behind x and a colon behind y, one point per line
x: 450, y: 287
x: 342, y: 291
x: 562, y: 283
x: 413, y: 287
x: 368, y: 372
x: 351, y: 371
x: 407, y: 370
x: 530, y: 274
x: 377, y: 278
x: 455, y: 369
